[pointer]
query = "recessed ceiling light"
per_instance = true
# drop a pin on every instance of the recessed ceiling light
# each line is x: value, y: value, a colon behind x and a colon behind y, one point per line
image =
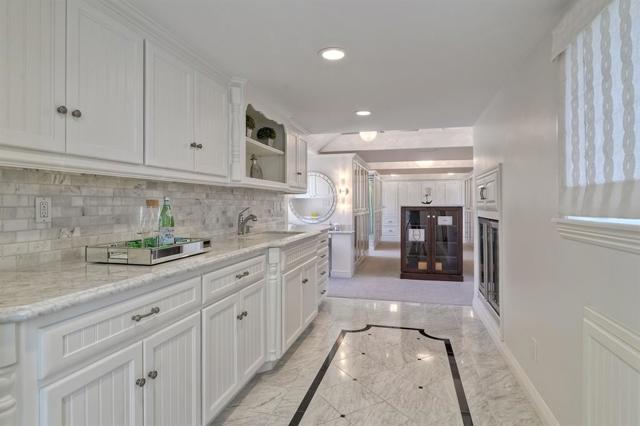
x: 332, y: 53
x: 363, y: 113
x: 368, y: 136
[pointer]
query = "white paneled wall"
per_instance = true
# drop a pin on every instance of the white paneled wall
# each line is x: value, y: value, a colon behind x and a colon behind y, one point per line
x: 611, y: 372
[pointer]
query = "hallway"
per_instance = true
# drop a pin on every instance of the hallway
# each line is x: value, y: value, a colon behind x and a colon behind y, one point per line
x: 378, y: 278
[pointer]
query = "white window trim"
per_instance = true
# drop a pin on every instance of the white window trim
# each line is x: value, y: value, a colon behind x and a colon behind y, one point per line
x: 621, y: 236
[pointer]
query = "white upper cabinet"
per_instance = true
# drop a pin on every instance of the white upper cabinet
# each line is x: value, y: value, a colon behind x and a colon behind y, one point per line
x: 105, y: 62
x: 211, y: 130
x: 170, y: 139
x: 296, y: 161
x: 390, y: 199
x: 186, y: 116
x: 32, y: 74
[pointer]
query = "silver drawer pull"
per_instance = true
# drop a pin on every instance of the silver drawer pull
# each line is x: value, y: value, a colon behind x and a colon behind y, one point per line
x: 153, y: 374
x: 153, y: 311
x: 242, y: 275
x: 140, y: 382
x: 242, y: 315
x: 323, y: 291
x: 323, y: 241
x: 323, y: 272
x: 323, y: 256
x: 305, y: 281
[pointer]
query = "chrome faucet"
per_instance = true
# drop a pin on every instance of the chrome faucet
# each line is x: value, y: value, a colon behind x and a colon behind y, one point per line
x: 243, y: 228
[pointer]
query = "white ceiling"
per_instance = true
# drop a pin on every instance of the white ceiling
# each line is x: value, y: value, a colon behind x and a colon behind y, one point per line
x: 415, y: 63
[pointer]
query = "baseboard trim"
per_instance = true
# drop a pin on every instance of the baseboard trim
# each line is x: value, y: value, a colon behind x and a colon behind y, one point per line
x: 341, y: 274
x: 539, y: 404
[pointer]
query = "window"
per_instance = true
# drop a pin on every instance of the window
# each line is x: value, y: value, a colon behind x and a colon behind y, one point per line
x: 600, y: 45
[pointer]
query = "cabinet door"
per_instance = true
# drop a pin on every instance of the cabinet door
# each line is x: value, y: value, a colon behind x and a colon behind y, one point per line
x: 32, y: 74
x: 403, y: 194
x: 104, y: 393
x: 453, y: 195
x: 172, y: 371
x: 211, y: 127
x: 292, y: 159
x: 447, y: 240
x: 253, y: 330
x: 105, y: 72
x: 301, y: 148
x: 291, y: 307
x: 309, y: 292
x: 390, y: 199
x: 169, y: 110
x: 219, y: 356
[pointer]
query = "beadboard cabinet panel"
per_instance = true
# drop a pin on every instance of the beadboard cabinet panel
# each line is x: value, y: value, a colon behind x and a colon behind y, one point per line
x: 169, y: 110
x: 211, y: 129
x: 253, y: 330
x: 104, y: 393
x: 105, y: 69
x: 220, y: 345
x: 32, y: 74
x: 172, y: 372
x: 291, y: 307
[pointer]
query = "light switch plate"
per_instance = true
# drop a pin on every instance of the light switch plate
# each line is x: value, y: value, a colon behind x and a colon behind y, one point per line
x: 43, y: 210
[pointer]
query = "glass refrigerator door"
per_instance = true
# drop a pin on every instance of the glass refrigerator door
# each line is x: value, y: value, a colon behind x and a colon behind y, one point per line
x: 447, y: 228
x: 415, y: 226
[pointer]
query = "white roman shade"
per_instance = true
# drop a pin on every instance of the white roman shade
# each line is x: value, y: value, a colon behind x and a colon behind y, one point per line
x: 602, y: 112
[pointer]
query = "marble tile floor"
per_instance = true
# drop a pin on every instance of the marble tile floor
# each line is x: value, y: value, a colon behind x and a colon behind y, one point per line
x: 386, y: 377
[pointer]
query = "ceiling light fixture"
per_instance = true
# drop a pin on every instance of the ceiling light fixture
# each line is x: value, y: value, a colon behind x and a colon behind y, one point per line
x: 332, y: 53
x: 368, y: 136
x: 363, y: 113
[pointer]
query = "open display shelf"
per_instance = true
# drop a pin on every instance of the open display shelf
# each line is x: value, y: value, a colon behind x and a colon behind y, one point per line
x: 271, y: 159
x: 260, y: 149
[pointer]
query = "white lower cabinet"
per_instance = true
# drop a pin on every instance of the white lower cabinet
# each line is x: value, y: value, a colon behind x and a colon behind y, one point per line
x: 233, y: 332
x: 104, y: 393
x: 299, y: 301
x: 154, y: 382
x: 172, y: 374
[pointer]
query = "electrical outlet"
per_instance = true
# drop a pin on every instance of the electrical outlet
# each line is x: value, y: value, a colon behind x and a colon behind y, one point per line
x: 534, y: 349
x: 43, y: 210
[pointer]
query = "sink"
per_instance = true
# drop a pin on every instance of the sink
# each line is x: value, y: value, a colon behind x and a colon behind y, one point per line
x: 270, y: 235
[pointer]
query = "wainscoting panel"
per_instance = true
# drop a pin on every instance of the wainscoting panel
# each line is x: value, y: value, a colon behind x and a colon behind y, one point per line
x: 611, y: 372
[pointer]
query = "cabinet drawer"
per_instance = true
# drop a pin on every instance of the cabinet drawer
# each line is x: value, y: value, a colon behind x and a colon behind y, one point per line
x: 218, y: 284
x: 323, y: 271
x: 67, y: 343
x: 390, y: 230
x: 323, y: 241
x: 298, y: 254
x: 323, y: 255
x: 389, y: 221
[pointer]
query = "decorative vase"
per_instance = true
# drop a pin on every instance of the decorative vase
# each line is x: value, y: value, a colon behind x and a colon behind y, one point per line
x: 249, y: 132
x: 256, y: 170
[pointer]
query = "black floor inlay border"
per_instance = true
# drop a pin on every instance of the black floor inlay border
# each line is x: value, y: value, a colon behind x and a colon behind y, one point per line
x: 453, y: 365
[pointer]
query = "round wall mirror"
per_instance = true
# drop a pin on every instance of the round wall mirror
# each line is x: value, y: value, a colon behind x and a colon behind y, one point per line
x: 319, y: 203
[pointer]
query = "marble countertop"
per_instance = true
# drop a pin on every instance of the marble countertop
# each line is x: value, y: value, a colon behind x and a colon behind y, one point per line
x: 31, y: 292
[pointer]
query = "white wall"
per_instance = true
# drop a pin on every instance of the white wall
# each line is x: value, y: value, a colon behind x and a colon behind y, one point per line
x: 547, y: 280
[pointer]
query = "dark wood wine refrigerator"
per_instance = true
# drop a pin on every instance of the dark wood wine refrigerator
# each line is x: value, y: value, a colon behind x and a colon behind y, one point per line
x: 431, y: 243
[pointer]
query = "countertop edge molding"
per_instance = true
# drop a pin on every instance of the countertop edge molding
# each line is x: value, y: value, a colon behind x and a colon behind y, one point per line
x: 615, y: 236
x: 19, y: 313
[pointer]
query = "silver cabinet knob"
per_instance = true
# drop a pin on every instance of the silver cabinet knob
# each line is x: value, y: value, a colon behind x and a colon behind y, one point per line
x: 141, y: 382
x: 76, y: 113
x: 62, y: 109
x: 199, y: 146
x: 193, y: 145
x: 153, y: 374
x: 305, y: 281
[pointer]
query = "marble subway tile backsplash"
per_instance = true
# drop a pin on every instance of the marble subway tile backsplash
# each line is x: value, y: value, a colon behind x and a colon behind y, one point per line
x: 89, y: 209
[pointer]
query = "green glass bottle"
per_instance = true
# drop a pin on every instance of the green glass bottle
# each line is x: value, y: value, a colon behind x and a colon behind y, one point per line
x: 167, y: 224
